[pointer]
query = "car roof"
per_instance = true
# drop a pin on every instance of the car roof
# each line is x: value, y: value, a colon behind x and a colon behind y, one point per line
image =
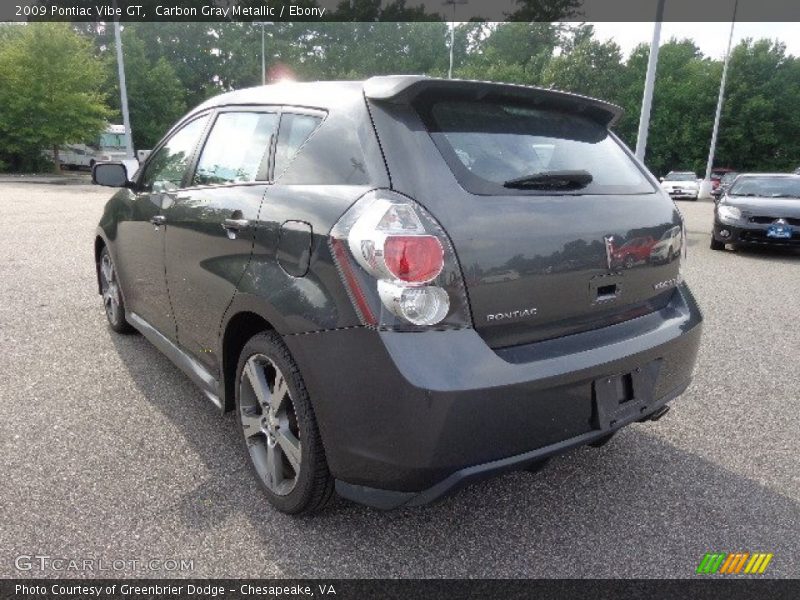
x: 400, y: 89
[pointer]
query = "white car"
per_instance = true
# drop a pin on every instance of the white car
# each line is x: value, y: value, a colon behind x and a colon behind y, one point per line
x: 681, y: 184
x: 507, y: 275
x: 668, y: 247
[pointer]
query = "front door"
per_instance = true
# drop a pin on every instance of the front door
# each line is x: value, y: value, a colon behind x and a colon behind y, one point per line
x: 211, y: 224
x: 141, y: 232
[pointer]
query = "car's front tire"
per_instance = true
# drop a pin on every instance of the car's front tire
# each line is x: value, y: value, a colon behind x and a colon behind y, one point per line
x: 112, y: 294
x: 279, y: 429
x: 715, y: 244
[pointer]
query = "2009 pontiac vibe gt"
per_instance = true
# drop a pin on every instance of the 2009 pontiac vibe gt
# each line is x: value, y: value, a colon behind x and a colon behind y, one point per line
x: 402, y: 284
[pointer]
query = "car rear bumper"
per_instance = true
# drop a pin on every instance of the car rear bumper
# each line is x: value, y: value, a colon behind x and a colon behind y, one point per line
x: 407, y: 417
x: 755, y: 235
x: 683, y: 194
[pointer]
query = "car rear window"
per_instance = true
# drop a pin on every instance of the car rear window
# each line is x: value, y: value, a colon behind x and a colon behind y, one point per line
x: 489, y: 143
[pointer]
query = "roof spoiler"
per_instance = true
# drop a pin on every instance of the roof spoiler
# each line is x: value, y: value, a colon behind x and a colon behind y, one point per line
x: 403, y: 89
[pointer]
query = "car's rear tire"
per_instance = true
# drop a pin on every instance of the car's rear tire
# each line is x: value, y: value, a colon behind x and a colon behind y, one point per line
x: 112, y: 294
x: 715, y: 244
x: 279, y: 429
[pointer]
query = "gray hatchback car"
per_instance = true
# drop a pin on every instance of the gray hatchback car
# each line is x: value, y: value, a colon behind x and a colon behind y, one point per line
x: 403, y: 284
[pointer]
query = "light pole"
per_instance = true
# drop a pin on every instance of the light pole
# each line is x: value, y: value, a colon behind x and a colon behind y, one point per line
x: 705, y: 187
x: 123, y: 94
x: 649, y: 84
x: 263, y: 52
x: 263, y: 58
x: 452, y: 31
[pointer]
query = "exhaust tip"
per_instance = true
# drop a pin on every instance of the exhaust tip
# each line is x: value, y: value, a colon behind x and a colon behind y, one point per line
x: 659, y: 413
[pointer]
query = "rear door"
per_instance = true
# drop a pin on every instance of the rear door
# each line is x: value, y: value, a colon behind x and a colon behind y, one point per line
x: 544, y: 256
x: 211, y: 223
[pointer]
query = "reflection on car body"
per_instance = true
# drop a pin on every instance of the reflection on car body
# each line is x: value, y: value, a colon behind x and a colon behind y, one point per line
x: 668, y: 247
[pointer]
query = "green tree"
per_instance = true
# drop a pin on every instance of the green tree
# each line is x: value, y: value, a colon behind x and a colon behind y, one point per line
x: 760, y: 127
x: 50, y: 92
x: 587, y: 66
x: 683, y: 108
x: 512, y: 52
x: 155, y: 94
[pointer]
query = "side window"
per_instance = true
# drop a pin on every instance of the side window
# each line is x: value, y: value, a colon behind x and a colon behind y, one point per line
x: 294, y: 131
x: 166, y: 169
x: 237, y: 150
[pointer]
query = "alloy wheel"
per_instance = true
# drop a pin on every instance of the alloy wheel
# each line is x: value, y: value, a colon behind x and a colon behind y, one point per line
x: 109, y: 288
x: 270, y: 426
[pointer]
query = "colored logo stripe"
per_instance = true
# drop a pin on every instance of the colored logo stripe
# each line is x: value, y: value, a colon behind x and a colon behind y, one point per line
x: 710, y: 563
x: 733, y: 563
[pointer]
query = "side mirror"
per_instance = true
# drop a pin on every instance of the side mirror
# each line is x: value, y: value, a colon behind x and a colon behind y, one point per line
x: 661, y: 179
x: 111, y: 174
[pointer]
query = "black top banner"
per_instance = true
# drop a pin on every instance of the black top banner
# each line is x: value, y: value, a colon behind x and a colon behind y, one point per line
x: 398, y: 10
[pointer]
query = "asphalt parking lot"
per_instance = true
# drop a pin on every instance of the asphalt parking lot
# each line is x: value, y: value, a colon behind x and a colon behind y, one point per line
x: 108, y: 451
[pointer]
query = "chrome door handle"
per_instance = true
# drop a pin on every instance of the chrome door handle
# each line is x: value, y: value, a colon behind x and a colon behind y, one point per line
x: 158, y: 220
x: 233, y: 226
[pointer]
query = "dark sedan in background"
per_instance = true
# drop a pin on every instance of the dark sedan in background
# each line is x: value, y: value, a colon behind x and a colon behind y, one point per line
x: 759, y: 208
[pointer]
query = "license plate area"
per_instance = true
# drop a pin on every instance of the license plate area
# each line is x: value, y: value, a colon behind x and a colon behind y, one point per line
x: 781, y: 232
x: 619, y: 399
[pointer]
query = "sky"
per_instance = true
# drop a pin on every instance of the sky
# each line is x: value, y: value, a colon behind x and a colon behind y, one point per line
x: 711, y: 38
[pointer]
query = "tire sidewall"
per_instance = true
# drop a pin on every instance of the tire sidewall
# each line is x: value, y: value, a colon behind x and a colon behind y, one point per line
x: 121, y: 325
x: 269, y: 345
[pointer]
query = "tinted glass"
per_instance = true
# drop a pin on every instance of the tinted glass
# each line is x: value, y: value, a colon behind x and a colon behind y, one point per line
x: 490, y: 143
x: 772, y: 187
x: 680, y: 177
x: 294, y: 131
x: 168, y: 166
x: 237, y: 149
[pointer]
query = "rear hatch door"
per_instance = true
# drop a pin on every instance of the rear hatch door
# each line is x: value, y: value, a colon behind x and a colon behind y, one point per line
x: 557, y: 228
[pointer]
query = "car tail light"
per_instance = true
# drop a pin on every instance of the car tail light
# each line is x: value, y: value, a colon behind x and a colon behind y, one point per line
x: 398, y: 265
x: 413, y: 258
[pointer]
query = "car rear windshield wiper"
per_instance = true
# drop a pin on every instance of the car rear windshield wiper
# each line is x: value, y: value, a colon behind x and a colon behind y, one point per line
x: 552, y: 180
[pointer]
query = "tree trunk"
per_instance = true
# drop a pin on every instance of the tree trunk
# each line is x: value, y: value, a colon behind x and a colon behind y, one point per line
x: 56, y: 160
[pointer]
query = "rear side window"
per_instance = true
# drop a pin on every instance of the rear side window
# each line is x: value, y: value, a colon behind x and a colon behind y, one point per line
x: 294, y: 131
x: 237, y: 149
x: 489, y: 144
